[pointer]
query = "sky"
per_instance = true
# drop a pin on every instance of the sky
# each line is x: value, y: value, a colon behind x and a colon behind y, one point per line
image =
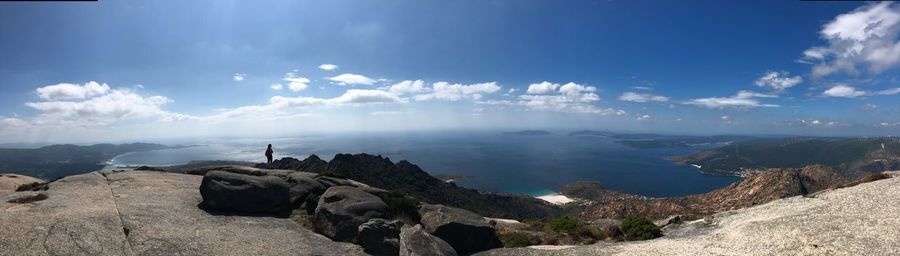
x: 136, y: 70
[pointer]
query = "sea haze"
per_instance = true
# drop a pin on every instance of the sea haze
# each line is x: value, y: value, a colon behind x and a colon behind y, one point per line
x: 515, y: 163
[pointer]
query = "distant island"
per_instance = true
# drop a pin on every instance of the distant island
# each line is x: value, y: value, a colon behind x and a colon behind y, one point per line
x: 650, y: 140
x: 529, y: 132
x: 50, y: 162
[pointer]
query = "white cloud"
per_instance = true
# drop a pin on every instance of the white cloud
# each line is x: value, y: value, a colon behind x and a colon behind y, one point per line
x: 276, y: 86
x: 643, y: 117
x: 724, y: 117
x: 408, y: 87
x: 891, y: 91
x: 280, y: 106
x: 328, y: 67
x: 238, y: 77
x: 869, y: 106
x: 542, y: 88
x: 455, y: 92
x: 642, y: 97
x: 778, y: 81
x: 295, y: 82
x: 743, y: 99
x: 110, y: 105
x: 351, y: 79
x: 844, y: 91
x: 866, y: 36
x: 820, y: 123
x: 66, y: 91
x: 386, y: 113
x: 644, y: 88
x: 886, y: 124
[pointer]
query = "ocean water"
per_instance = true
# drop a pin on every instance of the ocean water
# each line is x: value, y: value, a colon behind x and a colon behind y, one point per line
x: 524, y: 164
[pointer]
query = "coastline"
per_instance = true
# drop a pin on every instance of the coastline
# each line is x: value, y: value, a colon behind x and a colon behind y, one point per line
x: 556, y: 198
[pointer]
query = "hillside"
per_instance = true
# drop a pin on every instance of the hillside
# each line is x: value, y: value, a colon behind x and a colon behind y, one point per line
x: 404, y: 176
x: 51, y: 162
x: 858, y: 220
x: 853, y: 157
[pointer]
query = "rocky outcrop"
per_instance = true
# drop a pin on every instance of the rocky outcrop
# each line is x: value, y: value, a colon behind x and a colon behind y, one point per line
x: 858, y: 220
x: 144, y: 213
x: 341, y: 209
x: 311, y: 164
x: 754, y: 190
x: 302, y: 185
x: 380, y: 237
x: 465, y: 231
x: 240, y: 193
x: 380, y: 172
x: 9, y: 182
x: 414, y: 241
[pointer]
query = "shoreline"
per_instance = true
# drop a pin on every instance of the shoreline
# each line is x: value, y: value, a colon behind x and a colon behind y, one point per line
x: 556, y: 198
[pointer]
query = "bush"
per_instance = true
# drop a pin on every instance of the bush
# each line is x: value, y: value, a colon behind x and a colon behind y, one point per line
x: 875, y: 176
x: 612, y: 231
x: 564, y: 224
x: 34, y: 186
x: 589, y: 233
x: 401, y: 206
x: 637, y: 228
x: 515, y: 240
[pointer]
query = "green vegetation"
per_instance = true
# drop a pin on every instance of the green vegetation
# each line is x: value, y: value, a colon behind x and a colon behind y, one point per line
x: 515, y: 240
x: 27, y: 199
x: 34, y: 186
x: 564, y: 224
x: 865, y: 179
x: 401, y: 206
x: 637, y: 228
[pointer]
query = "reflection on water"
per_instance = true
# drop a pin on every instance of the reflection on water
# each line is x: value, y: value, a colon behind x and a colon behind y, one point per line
x: 509, y: 163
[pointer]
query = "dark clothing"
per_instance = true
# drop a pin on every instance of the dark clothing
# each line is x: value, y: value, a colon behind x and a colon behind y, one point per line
x: 269, y: 155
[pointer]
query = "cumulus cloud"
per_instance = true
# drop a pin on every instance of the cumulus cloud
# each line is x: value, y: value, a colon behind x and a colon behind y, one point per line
x: 455, y: 92
x: 67, y: 91
x: 238, y: 77
x: 778, y: 81
x: 542, y: 88
x: 408, y: 87
x: 844, y: 91
x: 867, y: 36
x: 351, y: 79
x: 570, y: 97
x: 295, y: 82
x: 643, y: 117
x: 642, y: 97
x: 276, y: 86
x: 280, y: 106
x: 328, y: 67
x: 97, y: 103
x: 820, y: 123
x: 743, y: 99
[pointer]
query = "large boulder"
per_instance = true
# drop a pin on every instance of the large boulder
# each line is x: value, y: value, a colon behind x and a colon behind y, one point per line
x: 302, y: 186
x: 240, y: 193
x: 414, y: 241
x: 341, y: 209
x: 466, y: 231
x: 380, y: 236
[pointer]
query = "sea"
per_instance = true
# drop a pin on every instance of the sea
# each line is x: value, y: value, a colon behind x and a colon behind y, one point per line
x: 524, y: 164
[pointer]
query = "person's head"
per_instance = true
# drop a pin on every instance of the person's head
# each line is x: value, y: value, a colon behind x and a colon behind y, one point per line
x: 270, y: 145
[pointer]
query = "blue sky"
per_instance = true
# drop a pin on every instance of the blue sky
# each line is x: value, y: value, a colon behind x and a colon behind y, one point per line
x: 127, y: 70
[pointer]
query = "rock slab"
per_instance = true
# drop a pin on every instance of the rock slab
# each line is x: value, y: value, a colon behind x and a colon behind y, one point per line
x: 241, y: 193
x: 341, y: 209
x: 466, y: 231
x: 414, y: 241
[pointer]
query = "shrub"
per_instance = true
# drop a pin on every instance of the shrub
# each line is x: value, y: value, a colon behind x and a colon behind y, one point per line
x: 612, y: 231
x: 34, y: 186
x: 875, y: 176
x: 589, y: 233
x: 637, y: 228
x: 27, y: 199
x: 564, y: 224
x: 515, y: 240
x: 401, y: 206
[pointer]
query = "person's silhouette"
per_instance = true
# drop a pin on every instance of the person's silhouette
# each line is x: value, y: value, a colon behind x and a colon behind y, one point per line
x: 269, y: 154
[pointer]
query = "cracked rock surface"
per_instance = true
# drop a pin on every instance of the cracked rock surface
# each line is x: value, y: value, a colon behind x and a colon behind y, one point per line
x: 145, y: 213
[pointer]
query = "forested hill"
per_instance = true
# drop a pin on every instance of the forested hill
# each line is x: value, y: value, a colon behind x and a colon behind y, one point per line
x: 55, y: 161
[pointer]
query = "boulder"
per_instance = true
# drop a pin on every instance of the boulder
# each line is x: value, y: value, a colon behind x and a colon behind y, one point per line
x: 466, y: 231
x: 241, y: 193
x: 414, y: 241
x: 380, y: 236
x: 301, y: 187
x: 674, y: 219
x: 341, y: 209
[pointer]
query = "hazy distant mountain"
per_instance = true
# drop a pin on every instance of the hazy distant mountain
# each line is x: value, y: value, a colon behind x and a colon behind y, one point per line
x: 651, y: 140
x: 529, y: 132
x: 851, y: 157
x: 54, y: 161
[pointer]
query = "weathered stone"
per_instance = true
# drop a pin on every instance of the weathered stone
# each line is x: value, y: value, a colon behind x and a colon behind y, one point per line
x: 301, y: 186
x: 9, y: 182
x: 674, y: 219
x: 466, y: 231
x: 414, y: 241
x: 341, y: 209
x: 240, y: 193
x: 380, y: 236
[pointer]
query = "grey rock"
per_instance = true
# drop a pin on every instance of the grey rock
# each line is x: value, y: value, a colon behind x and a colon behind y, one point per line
x: 603, y: 224
x: 240, y: 193
x: 466, y: 231
x: 380, y: 236
x: 674, y: 219
x: 414, y: 241
x: 341, y: 209
x: 240, y: 169
x: 302, y: 186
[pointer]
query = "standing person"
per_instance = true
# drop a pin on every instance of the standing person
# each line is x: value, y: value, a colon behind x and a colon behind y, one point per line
x: 269, y: 154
